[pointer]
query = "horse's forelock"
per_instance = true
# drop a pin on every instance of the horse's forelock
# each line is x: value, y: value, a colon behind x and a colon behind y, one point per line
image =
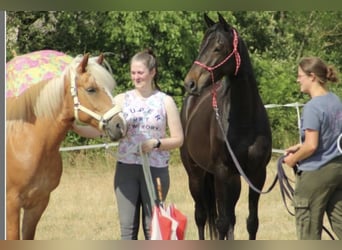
x: 206, y: 39
x: 102, y: 75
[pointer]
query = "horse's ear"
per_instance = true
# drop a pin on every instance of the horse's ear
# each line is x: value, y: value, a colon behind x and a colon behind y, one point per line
x: 208, y: 21
x: 224, y: 22
x: 100, y: 59
x: 83, y: 64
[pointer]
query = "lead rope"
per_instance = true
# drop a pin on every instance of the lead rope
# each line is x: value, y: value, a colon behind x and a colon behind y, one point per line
x: 286, y: 189
x: 146, y: 169
x: 236, y: 162
x: 148, y: 177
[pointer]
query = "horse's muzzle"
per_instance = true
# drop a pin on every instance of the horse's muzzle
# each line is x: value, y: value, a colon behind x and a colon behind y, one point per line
x: 114, y: 124
x: 116, y: 127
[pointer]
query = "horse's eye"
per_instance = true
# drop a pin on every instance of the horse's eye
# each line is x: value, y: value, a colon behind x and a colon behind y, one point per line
x: 91, y: 90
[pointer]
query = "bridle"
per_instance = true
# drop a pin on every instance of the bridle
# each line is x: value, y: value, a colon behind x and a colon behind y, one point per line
x: 211, y: 69
x: 234, y: 52
x: 102, y: 119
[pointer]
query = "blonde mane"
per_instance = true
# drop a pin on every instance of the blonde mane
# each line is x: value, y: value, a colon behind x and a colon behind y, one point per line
x: 45, y: 98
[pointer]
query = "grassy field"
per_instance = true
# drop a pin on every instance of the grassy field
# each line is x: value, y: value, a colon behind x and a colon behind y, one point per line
x: 84, y: 206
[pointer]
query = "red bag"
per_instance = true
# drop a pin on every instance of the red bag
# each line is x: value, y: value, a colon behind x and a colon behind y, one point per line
x: 168, y: 224
x: 181, y: 219
x: 160, y: 225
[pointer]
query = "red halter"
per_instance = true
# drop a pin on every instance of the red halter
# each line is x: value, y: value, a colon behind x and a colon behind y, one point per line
x: 212, y: 68
x: 234, y: 52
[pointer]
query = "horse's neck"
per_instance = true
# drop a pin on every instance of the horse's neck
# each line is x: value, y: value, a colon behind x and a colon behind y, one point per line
x: 193, y: 103
x: 58, y: 127
x: 245, y: 99
x: 41, y: 110
x: 192, y: 106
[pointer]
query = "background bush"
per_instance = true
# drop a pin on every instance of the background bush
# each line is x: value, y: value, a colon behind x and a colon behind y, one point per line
x: 276, y: 40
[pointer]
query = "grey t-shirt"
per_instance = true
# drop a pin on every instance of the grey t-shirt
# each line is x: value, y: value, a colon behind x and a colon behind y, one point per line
x: 324, y: 114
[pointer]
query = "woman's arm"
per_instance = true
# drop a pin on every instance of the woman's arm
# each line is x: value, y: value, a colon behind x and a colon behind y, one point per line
x: 176, y: 137
x: 305, y: 150
x: 175, y: 126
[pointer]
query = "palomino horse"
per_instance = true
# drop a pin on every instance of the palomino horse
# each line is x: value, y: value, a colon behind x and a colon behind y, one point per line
x: 230, y: 115
x: 37, y: 121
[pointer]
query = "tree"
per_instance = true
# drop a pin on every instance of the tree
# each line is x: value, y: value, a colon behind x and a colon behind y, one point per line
x: 276, y: 40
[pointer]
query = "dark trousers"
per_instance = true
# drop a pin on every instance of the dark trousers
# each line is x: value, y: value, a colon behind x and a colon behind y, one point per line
x: 133, y: 198
x: 318, y: 192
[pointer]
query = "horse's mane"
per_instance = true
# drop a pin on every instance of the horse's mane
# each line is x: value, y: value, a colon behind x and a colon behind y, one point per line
x: 246, y: 63
x: 245, y: 57
x: 45, y: 98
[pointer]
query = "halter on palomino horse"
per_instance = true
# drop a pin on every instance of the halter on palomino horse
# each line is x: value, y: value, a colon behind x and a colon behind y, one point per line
x: 218, y: 114
x: 37, y: 122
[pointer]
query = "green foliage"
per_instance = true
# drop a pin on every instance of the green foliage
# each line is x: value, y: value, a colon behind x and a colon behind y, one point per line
x: 276, y: 87
x: 276, y: 40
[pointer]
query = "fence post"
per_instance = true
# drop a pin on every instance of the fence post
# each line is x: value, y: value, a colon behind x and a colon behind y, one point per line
x: 298, y: 121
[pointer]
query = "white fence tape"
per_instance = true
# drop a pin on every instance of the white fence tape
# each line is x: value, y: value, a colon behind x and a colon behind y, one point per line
x: 267, y: 106
x: 103, y: 145
x: 293, y: 105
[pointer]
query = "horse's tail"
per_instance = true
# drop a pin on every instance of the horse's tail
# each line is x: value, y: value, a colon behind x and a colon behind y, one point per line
x: 209, y: 201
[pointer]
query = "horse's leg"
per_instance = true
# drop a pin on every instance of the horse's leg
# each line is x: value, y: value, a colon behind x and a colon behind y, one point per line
x: 233, y: 196
x: 253, y: 204
x: 200, y: 219
x: 32, y: 217
x: 12, y: 219
x: 228, y: 188
x: 196, y: 183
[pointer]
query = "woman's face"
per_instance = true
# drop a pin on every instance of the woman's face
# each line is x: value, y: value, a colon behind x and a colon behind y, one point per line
x: 304, y: 80
x: 141, y: 76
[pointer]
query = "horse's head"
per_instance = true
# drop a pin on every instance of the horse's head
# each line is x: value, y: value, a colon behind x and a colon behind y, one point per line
x: 93, y: 102
x: 218, y: 56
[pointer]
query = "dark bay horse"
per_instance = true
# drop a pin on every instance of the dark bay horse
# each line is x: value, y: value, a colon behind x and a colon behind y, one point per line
x: 223, y: 107
x: 37, y: 122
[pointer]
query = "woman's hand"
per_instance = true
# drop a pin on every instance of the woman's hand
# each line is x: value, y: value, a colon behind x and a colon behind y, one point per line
x: 289, y: 152
x: 149, y: 145
x: 292, y: 149
x: 289, y: 160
